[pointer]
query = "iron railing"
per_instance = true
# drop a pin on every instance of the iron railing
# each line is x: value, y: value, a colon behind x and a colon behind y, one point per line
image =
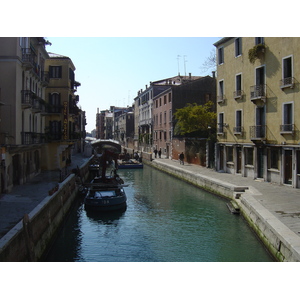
x: 220, y: 128
x: 28, y: 97
x: 238, y: 94
x: 258, y: 91
x: 287, y: 128
x: 258, y: 132
x: 287, y: 82
x: 29, y: 138
x: 28, y: 56
x: 238, y: 129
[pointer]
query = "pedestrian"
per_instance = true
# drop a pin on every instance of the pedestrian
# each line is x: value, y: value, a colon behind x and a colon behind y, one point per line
x: 155, y: 153
x: 181, y: 158
x: 159, y: 153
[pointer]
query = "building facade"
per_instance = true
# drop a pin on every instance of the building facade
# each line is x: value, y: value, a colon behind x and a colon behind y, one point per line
x: 63, y: 119
x: 39, y: 109
x: 23, y: 81
x: 144, y: 135
x: 257, y: 108
x: 198, y: 90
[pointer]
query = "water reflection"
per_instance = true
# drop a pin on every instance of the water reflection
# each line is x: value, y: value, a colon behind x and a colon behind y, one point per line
x: 166, y: 220
x: 106, y: 218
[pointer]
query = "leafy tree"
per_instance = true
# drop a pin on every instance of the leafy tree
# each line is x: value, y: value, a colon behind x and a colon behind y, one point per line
x: 194, y: 117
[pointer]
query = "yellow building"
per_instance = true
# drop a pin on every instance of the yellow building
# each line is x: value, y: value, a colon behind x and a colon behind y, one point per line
x: 40, y: 122
x: 62, y: 113
x: 258, y: 107
x: 22, y: 83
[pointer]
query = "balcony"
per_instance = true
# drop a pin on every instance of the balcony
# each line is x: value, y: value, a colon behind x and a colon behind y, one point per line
x: 287, y: 129
x: 53, y: 109
x: 221, y: 98
x: 258, y: 93
x: 238, y: 94
x: 220, y: 128
x: 38, y: 105
x: 28, y: 58
x: 30, y: 138
x: 238, y: 130
x: 258, y: 132
x: 287, y: 83
x: 28, y: 98
x: 45, y: 78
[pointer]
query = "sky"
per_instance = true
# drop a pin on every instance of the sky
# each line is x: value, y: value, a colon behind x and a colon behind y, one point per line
x: 112, y: 70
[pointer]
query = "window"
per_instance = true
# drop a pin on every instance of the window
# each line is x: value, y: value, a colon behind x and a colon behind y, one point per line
x: 238, y: 47
x: 170, y: 97
x: 221, y: 91
x: 249, y: 156
x: 54, y: 103
x: 55, y: 71
x: 259, y: 40
x: 55, y: 129
x: 221, y: 55
x: 287, y: 117
x: 221, y: 123
x: 238, y: 86
x: 165, y: 99
x: 229, y: 154
x: 287, y: 72
x: 170, y: 115
x: 165, y: 117
x: 160, y: 118
x: 274, y: 158
x: 238, y: 121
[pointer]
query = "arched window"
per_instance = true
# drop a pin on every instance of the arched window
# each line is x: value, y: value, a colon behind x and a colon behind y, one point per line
x: 54, y: 101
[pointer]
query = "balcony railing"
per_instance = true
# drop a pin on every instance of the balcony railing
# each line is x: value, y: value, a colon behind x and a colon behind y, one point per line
x: 258, y: 92
x: 27, y: 98
x: 45, y: 78
x: 287, y: 128
x: 287, y: 82
x: 238, y: 129
x: 221, y: 98
x: 38, y: 105
x: 220, y: 128
x: 238, y: 94
x: 28, y: 57
x: 29, y: 138
x: 258, y: 132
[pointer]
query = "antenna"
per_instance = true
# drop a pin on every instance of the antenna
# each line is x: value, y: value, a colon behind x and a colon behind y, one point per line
x: 129, y: 98
x: 184, y: 61
x: 178, y: 63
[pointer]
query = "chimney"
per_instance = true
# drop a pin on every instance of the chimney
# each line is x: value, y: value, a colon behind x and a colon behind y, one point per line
x: 214, y: 74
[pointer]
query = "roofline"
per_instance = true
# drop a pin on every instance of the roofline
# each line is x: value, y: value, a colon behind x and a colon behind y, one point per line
x: 222, y: 41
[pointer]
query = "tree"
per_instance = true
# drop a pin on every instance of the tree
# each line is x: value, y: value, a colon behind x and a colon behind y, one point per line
x: 210, y: 62
x: 194, y: 117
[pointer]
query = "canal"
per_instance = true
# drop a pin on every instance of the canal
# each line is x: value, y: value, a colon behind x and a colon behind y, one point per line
x: 166, y: 220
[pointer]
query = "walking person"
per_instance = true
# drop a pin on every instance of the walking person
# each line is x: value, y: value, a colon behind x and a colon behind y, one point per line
x: 181, y: 158
x: 155, y: 153
x: 159, y: 153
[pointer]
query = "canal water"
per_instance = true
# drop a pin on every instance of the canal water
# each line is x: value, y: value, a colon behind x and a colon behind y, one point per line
x: 166, y: 220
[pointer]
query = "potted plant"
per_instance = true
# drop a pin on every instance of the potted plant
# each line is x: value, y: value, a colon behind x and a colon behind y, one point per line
x: 255, y: 52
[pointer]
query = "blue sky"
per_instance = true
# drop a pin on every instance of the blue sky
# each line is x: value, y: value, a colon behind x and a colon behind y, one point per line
x: 111, y: 70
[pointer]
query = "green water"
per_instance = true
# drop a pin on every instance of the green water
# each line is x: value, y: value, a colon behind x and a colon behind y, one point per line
x: 166, y: 220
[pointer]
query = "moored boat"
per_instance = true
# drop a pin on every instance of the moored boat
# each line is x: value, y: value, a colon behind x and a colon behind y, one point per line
x: 130, y: 164
x: 105, y: 193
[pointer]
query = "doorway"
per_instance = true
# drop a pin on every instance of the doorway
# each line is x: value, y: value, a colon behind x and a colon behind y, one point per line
x: 238, y: 159
x: 288, y: 166
x: 260, y: 163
